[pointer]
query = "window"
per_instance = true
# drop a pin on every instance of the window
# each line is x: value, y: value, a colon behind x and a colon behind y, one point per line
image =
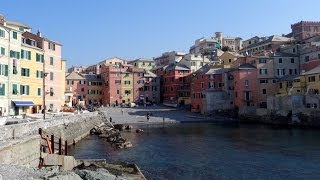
x: 294, y: 50
x: 117, y: 81
x: 264, y: 91
x: 14, y: 35
x: 39, y: 57
x: 246, y: 83
x: 25, y: 72
x: 262, y: 60
x: 51, y: 91
x: 127, y: 92
x: 83, y: 82
x: 14, y: 54
x: 3, y: 51
x: 280, y: 85
x: 281, y: 72
x: 229, y: 60
x: 82, y: 89
x: 24, y: 89
x: 290, y: 71
x: 263, y: 71
x: 202, y: 85
x: 4, y: 70
x: 126, y: 82
x: 25, y: 54
x: 2, y: 33
x: 39, y: 91
x: 51, y: 76
x: 318, y: 56
x: 14, y: 89
x: 118, y: 91
x: 2, y: 89
x: 312, y: 78
x: 280, y: 60
x: 51, y: 60
x: 39, y: 74
x: 51, y: 46
x: 292, y: 60
x: 263, y: 81
x: 306, y: 58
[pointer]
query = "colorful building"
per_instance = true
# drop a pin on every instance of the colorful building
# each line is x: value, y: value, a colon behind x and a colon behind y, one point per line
x: 77, y: 85
x: 143, y: 63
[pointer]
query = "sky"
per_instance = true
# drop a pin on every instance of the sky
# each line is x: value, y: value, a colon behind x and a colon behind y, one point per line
x: 94, y: 30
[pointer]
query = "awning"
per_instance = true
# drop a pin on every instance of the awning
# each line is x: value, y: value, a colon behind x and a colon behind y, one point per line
x: 23, y: 103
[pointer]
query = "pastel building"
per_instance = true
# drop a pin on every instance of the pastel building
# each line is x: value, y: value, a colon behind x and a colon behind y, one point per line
x: 168, y: 58
x: 143, y: 63
x: 194, y: 62
x: 94, y: 85
x: 76, y: 89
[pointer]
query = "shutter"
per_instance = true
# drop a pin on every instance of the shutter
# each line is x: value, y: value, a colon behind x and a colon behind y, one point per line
x: 39, y: 91
x: 21, y: 89
x: 3, y: 51
x: 14, y: 87
x: 6, y: 70
x: 29, y: 55
x: 3, y: 91
x: 18, y: 55
x: 27, y: 89
x: 22, y: 53
x: 28, y: 72
x: 11, y: 53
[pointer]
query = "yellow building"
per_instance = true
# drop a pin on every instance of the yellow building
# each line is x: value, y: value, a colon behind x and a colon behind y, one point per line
x: 127, y: 87
x: 308, y: 82
x: 228, y: 58
x: 94, y: 82
x: 31, y: 82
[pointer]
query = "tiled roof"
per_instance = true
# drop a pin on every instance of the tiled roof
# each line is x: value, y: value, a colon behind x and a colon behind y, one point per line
x: 315, y: 70
x: 149, y: 74
x: 246, y: 66
x: 91, y: 77
x: 18, y: 24
x: 176, y: 66
x: 75, y: 75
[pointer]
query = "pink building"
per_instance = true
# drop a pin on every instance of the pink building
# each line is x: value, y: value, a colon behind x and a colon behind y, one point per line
x: 55, y: 73
x: 78, y: 87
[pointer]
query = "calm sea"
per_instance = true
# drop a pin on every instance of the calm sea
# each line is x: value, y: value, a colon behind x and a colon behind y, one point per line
x: 214, y: 151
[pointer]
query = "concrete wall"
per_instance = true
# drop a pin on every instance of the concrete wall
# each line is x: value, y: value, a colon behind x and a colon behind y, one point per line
x: 21, y: 152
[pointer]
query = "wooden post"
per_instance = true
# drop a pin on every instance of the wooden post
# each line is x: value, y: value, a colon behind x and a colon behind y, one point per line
x: 52, y: 143
x: 60, y: 147
x: 66, y: 148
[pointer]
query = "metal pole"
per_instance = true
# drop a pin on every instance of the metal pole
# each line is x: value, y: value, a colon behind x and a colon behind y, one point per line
x: 60, y: 146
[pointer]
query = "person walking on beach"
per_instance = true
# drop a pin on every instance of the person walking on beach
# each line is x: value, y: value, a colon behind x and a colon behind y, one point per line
x: 110, y: 119
x: 122, y: 111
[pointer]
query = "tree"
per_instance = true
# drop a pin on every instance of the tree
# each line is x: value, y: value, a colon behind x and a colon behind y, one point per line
x: 225, y: 48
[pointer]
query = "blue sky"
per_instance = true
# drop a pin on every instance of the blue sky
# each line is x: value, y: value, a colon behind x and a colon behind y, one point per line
x: 91, y: 31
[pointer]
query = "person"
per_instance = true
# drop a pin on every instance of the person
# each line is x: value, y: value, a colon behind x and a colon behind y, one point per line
x: 122, y: 111
x: 110, y: 119
x: 148, y: 116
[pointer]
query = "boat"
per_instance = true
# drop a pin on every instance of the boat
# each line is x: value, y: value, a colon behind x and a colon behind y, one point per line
x: 3, y: 120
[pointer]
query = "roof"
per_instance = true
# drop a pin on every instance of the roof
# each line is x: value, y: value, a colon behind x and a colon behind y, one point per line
x: 315, y: 70
x: 246, y: 66
x: 18, y: 24
x: 176, y: 66
x: 274, y: 38
x: 288, y: 77
x: 74, y: 75
x: 92, y: 77
x: 149, y: 74
x: 142, y: 59
x: 282, y: 54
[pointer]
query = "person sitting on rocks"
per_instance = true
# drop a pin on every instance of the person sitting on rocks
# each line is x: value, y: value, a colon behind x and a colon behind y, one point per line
x: 110, y: 119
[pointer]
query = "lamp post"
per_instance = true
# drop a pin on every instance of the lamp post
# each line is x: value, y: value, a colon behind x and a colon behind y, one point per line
x: 44, y: 92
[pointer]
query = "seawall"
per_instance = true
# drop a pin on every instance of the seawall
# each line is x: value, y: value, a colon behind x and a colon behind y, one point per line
x: 20, y: 143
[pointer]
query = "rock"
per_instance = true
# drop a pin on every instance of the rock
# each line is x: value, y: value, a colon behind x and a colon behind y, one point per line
x: 120, y: 127
x: 128, y: 127
x: 67, y: 176
x: 127, y: 144
x: 139, y: 130
x: 93, y: 131
x: 96, y: 175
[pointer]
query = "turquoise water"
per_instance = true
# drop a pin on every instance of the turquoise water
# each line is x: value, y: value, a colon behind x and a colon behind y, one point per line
x: 215, y: 151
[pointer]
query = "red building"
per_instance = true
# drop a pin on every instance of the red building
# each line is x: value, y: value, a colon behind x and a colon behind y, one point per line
x: 206, y: 78
x: 175, y: 79
x: 245, y: 86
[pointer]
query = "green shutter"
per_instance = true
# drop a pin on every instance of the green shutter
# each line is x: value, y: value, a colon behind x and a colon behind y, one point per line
x: 22, y: 53
x: 37, y: 57
x: 28, y: 72
x: 18, y: 55
x: 28, y: 89
x: 6, y: 70
x: 42, y: 58
x: 29, y: 55
x: 2, y: 90
x: 51, y: 60
x: 14, y: 88
x: 3, y: 51
x: 21, y: 88
x: 11, y: 53
x: 39, y: 91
